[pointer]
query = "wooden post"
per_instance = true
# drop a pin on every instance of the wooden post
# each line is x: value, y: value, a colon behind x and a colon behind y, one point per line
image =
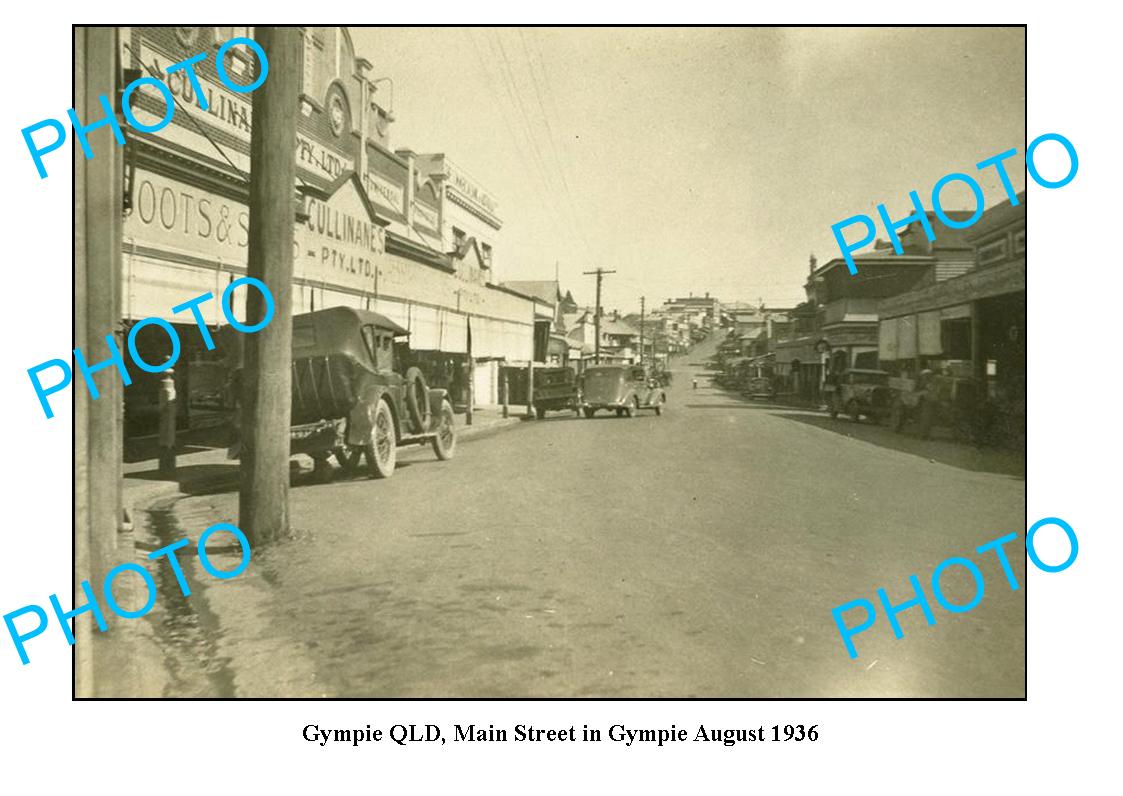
x: 469, y: 411
x: 471, y: 389
x: 530, y: 388
x: 978, y: 355
x: 98, y: 431
x: 166, y: 442
x: 642, y: 306
x: 263, y: 506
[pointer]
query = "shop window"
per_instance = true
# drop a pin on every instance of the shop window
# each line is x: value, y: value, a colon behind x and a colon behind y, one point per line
x: 955, y: 338
x: 386, y: 359
x: 370, y: 337
x: 485, y: 254
x: 867, y: 360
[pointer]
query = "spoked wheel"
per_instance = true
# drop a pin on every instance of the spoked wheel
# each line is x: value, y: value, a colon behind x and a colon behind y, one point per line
x: 382, y: 450
x: 417, y: 400
x: 632, y: 409
x: 444, y: 443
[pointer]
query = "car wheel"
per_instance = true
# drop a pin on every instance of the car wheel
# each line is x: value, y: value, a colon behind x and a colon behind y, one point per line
x: 540, y: 412
x: 589, y: 412
x: 852, y: 410
x: 417, y: 400
x: 632, y: 409
x: 659, y: 405
x: 833, y: 409
x: 444, y: 442
x: 382, y: 450
x: 347, y: 458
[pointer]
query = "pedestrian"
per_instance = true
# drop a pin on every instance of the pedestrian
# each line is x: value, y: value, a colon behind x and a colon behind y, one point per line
x: 695, y: 383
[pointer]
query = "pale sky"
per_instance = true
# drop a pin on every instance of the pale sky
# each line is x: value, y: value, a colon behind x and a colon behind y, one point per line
x: 694, y: 160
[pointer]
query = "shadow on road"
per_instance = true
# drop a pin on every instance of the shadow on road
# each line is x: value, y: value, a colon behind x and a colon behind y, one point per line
x: 944, y: 451
x: 197, y: 479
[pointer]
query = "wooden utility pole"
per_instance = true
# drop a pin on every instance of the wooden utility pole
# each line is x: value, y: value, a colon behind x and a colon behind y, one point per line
x: 98, y: 425
x: 263, y: 500
x: 600, y: 272
x: 471, y: 373
x: 642, y: 302
x: 530, y: 387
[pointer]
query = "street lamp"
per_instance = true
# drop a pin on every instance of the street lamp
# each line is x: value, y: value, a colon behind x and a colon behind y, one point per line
x: 374, y: 88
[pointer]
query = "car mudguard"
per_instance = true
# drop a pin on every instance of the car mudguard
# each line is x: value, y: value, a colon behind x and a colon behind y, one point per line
x: 360, y: 422
x: 437, y: 397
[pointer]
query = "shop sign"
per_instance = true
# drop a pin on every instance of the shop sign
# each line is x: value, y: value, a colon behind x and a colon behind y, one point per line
x: 229, y: 113
x: 320, y: 160
x: 225, y: 110
x: 339, y: 244
x: 469, y: 190
x: 170, y: 214
x: 383, y: 192
x: 425, y: 215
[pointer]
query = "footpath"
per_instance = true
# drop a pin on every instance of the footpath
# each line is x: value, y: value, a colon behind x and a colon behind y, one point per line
x: 202, y: 464
x: 171, y: 651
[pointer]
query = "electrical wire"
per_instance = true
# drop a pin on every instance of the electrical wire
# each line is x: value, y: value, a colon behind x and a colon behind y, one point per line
x: 156, y: 74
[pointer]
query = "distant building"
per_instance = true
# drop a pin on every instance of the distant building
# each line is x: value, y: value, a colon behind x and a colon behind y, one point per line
x: 551, y: 345
x: 837, y: 328
x: 700, y: 311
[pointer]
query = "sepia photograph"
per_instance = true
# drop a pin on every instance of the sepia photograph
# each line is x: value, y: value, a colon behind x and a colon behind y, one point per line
x: 547, y: 362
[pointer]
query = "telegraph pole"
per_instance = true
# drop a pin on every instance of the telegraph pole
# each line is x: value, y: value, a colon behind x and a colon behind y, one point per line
x: 642, y: 302
x: 600, y: 272
x: 263, y: 500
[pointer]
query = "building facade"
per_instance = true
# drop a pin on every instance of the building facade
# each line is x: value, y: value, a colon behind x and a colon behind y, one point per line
x: 408, y: 236
x: 971, y: 325
x: 838, y: 326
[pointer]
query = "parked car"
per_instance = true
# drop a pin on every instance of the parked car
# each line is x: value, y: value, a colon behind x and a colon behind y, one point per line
x: 350, y: 398
x: 859, y: 392
x: 625, y: 388
x: 760, y: 387
x: 934, y: 399
x: 556, y: 389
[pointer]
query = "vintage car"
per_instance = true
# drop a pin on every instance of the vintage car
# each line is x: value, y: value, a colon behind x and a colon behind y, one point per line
x: 625, y: 388
x: 936, y: 399
x: 350, y: 398
x: 759, y: 387
x: 859, y: 392
x: 556, y: 389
